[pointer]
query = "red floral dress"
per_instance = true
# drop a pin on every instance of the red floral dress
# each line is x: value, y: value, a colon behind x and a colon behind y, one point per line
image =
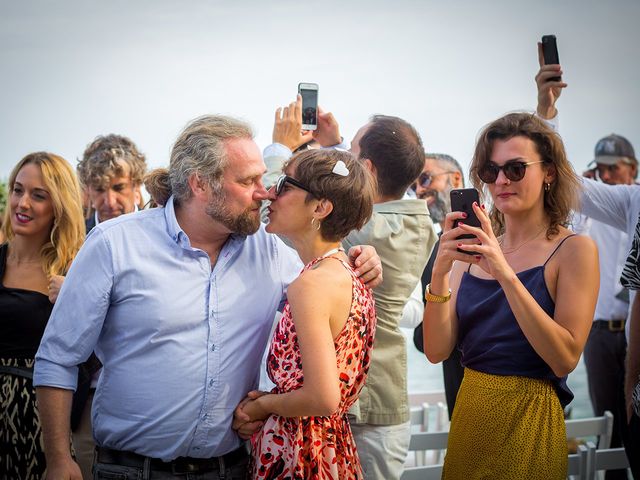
x: 316, y: 447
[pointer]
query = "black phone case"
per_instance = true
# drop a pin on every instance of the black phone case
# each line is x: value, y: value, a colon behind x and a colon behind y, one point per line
x: 462, y: 201
x: 550, y: 53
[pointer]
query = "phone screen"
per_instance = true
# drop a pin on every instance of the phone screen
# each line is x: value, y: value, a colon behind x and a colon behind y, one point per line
x: 309, y: 106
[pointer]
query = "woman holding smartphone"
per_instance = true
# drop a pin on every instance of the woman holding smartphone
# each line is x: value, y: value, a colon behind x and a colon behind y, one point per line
x: 519, y: 306
x: 44, y: 229
x: 320, y: 351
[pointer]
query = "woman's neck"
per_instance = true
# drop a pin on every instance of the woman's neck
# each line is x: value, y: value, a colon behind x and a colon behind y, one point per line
x: 24, y: 250
x: 521, y: 228
x: 312, y: 247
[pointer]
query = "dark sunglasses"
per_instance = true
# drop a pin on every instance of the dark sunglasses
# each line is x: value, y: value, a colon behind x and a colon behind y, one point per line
x: 284, y: 179
x: 425, y: 179
x: 514, y: 171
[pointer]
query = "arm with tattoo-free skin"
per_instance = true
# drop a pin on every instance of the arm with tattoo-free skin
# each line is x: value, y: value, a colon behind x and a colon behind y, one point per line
x: 320, y: 301
x: 559, y: 340
x: 54, y: 407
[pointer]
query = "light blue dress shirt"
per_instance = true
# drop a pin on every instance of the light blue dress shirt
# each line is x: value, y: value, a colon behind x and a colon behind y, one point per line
x: 180, y: 343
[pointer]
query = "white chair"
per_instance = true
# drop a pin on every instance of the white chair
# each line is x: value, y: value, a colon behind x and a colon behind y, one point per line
x: 602, y: 459
x: 426, y: 472
x: 600, y: 427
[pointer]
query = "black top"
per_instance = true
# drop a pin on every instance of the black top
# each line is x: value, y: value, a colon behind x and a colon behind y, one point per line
x: 23, y: 316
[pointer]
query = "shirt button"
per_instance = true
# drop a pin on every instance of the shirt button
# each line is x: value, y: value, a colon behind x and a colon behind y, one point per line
x: 211, y: 382
x: 213, y: 348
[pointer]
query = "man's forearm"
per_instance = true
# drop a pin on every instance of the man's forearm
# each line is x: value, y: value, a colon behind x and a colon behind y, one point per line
x: 54, y: 406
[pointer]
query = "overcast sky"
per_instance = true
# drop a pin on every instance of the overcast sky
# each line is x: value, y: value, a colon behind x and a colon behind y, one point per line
x: 71, y: 70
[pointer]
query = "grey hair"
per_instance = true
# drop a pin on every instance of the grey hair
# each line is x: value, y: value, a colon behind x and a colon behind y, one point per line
x: 200, y: 149
x: 446, y: 162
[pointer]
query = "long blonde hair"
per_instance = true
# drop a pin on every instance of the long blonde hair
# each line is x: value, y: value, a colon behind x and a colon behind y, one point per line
x: 68, y: 230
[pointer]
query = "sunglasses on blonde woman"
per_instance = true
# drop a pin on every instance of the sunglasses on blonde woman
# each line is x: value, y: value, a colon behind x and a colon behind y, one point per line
x: 514, y: 171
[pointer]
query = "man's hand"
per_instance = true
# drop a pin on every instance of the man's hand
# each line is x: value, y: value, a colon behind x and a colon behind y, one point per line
x: 548, y: 90
x: 287, y: 127
x: 63, y: 469
x: 55, y: 284
x: 242, y: 421
x: 328, y: 132
x: 367, y: 263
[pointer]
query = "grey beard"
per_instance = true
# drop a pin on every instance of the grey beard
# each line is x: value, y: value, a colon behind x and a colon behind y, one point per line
x: 440, y: 206
x: 244, y: 224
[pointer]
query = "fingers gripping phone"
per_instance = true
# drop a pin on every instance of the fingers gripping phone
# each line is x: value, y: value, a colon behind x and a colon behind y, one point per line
x: 462, y: 201
x: 550, y: 53
x: 309, y: 94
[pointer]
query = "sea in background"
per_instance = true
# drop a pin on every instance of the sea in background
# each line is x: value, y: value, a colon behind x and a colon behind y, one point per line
x: 427, y: 377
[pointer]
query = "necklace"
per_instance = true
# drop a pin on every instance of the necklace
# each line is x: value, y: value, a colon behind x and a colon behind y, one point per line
x: 511, y: 250
x: 331, y: 252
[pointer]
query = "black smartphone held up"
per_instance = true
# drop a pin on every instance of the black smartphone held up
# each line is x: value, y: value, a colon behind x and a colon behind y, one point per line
x: 309, y: 93
x: 462, y: 201
x: 550, y: 53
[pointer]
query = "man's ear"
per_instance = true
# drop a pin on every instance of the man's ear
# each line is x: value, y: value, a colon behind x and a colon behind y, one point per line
x: 457, y: 180
x: 323, y: 209
x: 369, y: 165
x: 198, y: 185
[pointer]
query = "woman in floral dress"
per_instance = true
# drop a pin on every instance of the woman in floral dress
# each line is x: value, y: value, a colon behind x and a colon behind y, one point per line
x: 320, y: 352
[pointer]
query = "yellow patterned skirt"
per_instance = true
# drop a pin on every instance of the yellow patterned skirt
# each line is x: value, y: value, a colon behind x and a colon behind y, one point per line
x: 506, y: 427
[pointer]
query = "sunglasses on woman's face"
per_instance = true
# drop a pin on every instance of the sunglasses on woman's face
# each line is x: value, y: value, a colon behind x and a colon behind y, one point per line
x: 514, y: 171
x: 284, y: 179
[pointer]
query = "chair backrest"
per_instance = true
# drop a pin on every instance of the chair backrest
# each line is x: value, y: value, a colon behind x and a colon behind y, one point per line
x: 428, y: 441
x: 604, y: 459
x: 601, y: 427
x: 427, y: 472
x: 577, y: 463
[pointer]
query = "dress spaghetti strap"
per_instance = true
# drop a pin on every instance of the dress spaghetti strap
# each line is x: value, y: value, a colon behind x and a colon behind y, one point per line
x: 556, y: 249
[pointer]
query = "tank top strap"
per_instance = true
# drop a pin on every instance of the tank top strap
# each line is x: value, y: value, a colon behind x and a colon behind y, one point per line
x: 4, y: 247
x: 557, y: 248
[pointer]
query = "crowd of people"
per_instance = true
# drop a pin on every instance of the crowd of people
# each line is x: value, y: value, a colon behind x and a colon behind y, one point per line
x: 136, y: 352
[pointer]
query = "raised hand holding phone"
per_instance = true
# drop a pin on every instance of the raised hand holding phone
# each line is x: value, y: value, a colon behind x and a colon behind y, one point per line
x: 548, y: 79
x: 309, y: 94
x: 462, y: 200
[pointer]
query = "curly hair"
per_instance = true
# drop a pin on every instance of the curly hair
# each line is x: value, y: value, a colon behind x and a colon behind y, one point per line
x: 563, y: 194
x: 68, y: 230
x: 102, y: 160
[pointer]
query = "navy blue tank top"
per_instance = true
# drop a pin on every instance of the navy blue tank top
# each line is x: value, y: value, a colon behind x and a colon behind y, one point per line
x: 489, y: 336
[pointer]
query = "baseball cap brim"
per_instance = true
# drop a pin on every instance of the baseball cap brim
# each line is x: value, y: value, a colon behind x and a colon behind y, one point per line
x: 612, y: 160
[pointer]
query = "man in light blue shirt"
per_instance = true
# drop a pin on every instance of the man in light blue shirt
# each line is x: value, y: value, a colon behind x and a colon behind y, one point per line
x: 177, y: 303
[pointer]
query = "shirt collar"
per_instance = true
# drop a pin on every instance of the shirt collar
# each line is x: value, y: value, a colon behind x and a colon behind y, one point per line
x: 173, y: 227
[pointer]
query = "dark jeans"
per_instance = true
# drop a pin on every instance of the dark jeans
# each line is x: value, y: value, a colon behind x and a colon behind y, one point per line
x: 604, y: 358
x: 107, y: 471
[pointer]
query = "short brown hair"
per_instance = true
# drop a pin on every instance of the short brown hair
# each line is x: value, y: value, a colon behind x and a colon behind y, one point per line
x: 394, y: 147
x: 352, y: 195
x: 562, y: 196
x: 100, y: 161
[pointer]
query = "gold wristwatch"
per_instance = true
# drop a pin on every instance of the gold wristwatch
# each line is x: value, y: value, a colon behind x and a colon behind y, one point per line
x: 433, y: 298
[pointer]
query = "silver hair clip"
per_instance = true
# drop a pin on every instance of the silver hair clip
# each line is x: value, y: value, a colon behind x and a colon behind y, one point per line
x: 340, y: 169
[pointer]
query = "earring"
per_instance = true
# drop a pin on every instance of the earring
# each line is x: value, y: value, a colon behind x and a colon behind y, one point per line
x: 313, y: 219
x: 547, y: 187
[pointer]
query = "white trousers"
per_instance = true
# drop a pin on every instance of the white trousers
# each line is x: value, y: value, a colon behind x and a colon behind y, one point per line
x: 382, y: 449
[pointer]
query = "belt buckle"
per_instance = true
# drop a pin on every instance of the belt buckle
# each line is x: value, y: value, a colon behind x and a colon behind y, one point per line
x: 616, y: 325
x: 179, y: 467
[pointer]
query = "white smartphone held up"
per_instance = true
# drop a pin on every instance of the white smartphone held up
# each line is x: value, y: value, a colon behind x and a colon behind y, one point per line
x: 309, y: 94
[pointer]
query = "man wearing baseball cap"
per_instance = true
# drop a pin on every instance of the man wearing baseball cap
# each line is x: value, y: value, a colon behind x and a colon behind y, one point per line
x: 615, y: 161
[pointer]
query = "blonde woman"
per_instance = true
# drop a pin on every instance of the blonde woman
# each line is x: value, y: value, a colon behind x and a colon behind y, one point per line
x: 44, y: 228
x: 519, y: 306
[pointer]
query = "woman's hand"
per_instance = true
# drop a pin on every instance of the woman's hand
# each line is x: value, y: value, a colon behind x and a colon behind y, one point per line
x: 249, y: 415
x: 449, y: 245
x: 489, y: 255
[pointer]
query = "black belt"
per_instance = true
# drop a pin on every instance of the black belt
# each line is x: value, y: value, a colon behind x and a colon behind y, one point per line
x: 26, y: 372
x: 611, y: 325
x: 179, y: 466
